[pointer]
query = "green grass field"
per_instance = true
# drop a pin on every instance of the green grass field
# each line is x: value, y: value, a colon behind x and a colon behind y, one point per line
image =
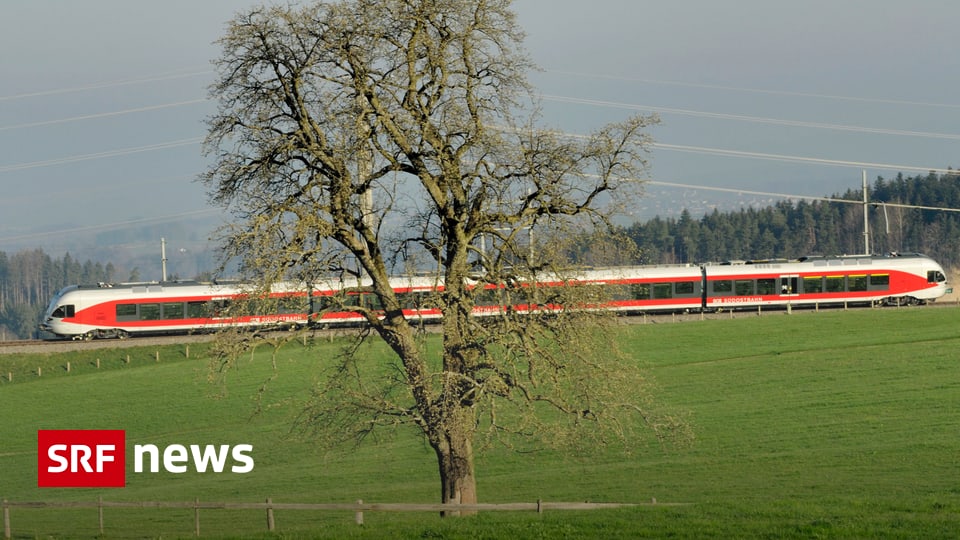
x: 812, y: 425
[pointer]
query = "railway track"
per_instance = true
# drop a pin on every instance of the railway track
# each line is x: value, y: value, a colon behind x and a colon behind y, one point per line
x: 66, y: 345
x: 54, y: 346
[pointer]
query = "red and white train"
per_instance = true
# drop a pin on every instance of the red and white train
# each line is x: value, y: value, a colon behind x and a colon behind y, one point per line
x: 100, y: 311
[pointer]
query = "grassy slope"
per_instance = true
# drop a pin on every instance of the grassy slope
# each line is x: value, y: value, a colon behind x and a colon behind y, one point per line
x: 839, y: 424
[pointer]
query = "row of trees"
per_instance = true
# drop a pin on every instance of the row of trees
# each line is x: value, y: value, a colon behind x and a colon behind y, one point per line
x: 28, y: 279
x: 793, y: 229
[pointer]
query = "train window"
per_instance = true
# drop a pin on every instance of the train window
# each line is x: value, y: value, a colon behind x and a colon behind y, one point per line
x: 149, y: 312
x: 813, y: 284
x: 684, y: 287
x: 766, y: 286
x: 486, y: 297
x: 880, y: 281
x: 321, y: 303
x: 586, y: 293
x: 743, y: 287
x: 173, y: 310
x: 66, y: 310
x: 835, y: 284
x: 427, y: 300
x: 663, y: 290
x: 614, y: 292
x: 640, y: 291
x: 372, y: 301
x: 196, y: 310
x: 857, y: 283
x: 126, y: 312
x: 935, y: 276
x: 723, y: 286
x: 219, y: 308
x: 291, y: 304
x: 417, y: 300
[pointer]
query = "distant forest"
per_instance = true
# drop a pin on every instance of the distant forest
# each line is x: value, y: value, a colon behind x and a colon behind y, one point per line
x: 28, y: 279
x: 795, y: 229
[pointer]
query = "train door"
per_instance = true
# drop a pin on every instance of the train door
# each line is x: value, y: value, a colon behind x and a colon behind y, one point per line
x: 789, y: 285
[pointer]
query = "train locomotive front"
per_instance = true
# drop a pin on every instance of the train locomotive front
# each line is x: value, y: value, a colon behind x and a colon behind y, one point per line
x: 122, y: 310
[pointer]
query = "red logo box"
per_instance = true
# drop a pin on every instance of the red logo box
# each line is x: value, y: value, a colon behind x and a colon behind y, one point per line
x: 81, y: 458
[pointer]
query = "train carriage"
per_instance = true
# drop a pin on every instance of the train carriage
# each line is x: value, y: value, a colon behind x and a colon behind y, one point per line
x: 123, y: 310
x: 903, y: 279
x: 669, y: 288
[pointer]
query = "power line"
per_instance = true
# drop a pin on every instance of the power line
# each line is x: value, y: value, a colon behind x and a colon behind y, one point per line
x: 104, y: 115
x: 793, y: 196
x: 100, y: 155
x: 110, y: 226
x: 754, y: 119
x: 109, y: 84
x: 798, y: 159
x: 663, y: 146
x: 885, y: 101
x: 775, y: 157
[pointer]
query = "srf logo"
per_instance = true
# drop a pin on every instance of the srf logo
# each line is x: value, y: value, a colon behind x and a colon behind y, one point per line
x: 81, y: 458
x: 97, y: 458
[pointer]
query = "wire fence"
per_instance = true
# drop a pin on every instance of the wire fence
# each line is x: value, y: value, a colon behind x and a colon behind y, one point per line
x: 269, y: 509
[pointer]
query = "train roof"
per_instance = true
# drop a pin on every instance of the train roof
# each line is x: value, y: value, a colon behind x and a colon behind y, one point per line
x: 424, y: 281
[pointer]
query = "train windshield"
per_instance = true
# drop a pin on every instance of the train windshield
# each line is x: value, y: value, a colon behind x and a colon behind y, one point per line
x: 66, y: 310
x: 56, y: 310
x: 935, y: 276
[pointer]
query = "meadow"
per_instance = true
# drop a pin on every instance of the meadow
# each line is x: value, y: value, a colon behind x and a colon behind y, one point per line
x: 831, y: 424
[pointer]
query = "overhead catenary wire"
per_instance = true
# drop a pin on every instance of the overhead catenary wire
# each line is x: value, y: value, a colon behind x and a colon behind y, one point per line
x: 592, y: 102
x: 793, y: 196
x: 746, y: 118
x: 801, y: 159
x: 109, y: 114
x: 101, y: 155
x: 793, y: 93
x: 112, y: 226
x: 108, y: 84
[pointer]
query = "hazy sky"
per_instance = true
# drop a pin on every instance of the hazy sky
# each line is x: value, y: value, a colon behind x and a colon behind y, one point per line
x: 102, y: 102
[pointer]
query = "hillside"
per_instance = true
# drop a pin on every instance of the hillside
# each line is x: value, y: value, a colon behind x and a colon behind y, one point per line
x: 801, y: 431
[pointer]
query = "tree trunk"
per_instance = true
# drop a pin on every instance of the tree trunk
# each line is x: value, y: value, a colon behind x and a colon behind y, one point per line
x: 455, y: 459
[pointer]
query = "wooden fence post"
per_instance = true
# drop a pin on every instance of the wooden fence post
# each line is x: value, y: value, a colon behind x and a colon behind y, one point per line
x: 100, y: 513
x: 68, y: 366
x: 187, y: 352
x: 270, y: 522
x: 358, y: 517
x: 196, y: 516
x: 6, y: 520
x: 157, y: 354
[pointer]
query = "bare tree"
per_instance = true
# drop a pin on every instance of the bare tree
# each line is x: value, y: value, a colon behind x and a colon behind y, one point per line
x: 367, y: 138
